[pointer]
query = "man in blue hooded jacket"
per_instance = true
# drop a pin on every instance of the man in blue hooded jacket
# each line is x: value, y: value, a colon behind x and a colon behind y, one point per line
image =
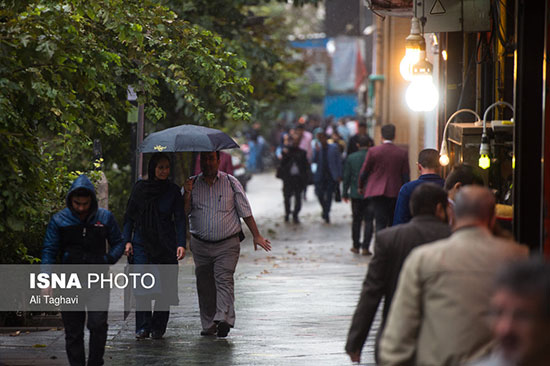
x: 77, y: 234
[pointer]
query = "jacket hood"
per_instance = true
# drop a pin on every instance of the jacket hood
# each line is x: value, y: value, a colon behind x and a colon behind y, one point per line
x: 83, y: 182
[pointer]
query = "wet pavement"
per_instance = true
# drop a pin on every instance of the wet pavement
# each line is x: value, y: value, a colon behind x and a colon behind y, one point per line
x: 293, y: 305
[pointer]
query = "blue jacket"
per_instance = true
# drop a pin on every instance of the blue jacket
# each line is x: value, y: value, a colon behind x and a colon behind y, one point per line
x: 402, y: 210
x: 334, y: 163
x: 82, y: 242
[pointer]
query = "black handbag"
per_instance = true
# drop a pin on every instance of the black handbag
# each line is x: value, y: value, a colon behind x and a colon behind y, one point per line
x: 337, y: 194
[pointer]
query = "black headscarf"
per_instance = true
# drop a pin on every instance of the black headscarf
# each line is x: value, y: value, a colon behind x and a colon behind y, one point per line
x: 143, y: 209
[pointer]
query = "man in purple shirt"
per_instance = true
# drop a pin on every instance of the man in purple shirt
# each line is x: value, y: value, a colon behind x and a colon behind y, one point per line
x: 215, y: 202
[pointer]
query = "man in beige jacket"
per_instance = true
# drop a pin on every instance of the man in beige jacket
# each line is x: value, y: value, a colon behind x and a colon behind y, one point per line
x: 439, y: 315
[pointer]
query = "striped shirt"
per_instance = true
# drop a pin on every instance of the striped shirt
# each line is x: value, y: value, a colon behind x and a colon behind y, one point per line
x: 216, y: 210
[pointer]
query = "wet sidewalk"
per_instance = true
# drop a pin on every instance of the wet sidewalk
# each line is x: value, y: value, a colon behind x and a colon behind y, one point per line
x: 294, y: 304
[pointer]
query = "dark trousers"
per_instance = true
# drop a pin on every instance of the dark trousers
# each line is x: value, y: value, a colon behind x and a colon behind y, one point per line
x: 383, y: 208
x: 361, y: 213
x: 151, y: 320
x: 324, y: 190
x: 73, y: 321
x: 293, y: 187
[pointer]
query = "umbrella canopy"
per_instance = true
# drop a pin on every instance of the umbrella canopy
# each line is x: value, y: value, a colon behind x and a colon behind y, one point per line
x: 187, y: 138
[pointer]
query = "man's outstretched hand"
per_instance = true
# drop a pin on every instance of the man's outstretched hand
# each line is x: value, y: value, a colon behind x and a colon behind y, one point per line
x: 263, y: 242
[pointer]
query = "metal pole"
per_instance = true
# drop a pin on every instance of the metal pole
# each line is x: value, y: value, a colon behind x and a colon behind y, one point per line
x: 139, y: 140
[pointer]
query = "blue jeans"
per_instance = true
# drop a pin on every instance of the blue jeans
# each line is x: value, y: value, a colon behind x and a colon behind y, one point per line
x: 324, y: 190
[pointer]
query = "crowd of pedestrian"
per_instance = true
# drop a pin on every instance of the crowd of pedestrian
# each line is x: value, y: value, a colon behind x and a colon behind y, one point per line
x: 437, y: 252
x: 455, y: 288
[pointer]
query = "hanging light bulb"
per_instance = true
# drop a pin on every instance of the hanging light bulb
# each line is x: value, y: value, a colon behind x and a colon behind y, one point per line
x: 444, y: 159
x: 422, y: 95
x: 484, y: 161
x: 412, y: 56
x: 414, y: 44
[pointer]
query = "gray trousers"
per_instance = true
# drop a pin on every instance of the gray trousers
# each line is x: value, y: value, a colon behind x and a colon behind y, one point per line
x: 214, y: 268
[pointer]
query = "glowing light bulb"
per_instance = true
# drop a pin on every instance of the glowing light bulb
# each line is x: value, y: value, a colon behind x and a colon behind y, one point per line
x: 422, y: 95
x: 412, y: 55
x: 444, y: 160
x: 484, y: 161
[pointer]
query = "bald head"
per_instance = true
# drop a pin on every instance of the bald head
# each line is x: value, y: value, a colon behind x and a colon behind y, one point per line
x: 475, y: 204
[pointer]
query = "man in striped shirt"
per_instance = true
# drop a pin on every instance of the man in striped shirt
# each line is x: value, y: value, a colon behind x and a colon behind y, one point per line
x: 215, y: 202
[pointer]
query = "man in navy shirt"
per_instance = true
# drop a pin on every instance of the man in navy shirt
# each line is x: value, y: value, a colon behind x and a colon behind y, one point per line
x: 428, y: 166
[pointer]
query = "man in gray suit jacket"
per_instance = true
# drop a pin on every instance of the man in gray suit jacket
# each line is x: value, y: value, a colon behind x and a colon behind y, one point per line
x: 428, y: 206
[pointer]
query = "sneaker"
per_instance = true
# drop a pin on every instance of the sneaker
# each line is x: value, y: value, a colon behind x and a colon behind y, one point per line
x: 209, y: 332
x: 354, y: 250
x: 223, y: 329
x: 366, y: 252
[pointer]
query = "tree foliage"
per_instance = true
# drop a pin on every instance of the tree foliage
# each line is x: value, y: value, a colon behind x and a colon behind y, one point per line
x: 65, y: 66
x: 257, y: 31
x: 64, y: 71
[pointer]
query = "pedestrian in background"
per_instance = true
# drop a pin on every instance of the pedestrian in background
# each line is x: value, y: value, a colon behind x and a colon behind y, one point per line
x: 393, y: 245
x: 461, y: 175
x: 305, y: 139
x: 154, y: 230
x: 215, y: 202
x: 385, y: 170
x: 294, y: 170
x: 78, y: 234
x: 438, y: 313
x: 361, y: 211
x: 327, y: 174
x: 226, y: 163
x: 361, y: 132
x: 428, y: 167
x: 520, y: 316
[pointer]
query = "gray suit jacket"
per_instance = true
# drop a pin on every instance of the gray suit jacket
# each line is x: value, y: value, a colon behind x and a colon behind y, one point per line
x: 392, y: 246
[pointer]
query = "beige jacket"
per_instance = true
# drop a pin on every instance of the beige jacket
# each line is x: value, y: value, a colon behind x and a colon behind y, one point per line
x: 439, y: 313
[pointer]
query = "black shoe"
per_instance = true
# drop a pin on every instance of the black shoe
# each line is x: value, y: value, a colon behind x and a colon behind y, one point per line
x: 209, y: 332
x: 223, y: 329
x: 286, y: 218
x: 142, y: 334
x: 296, y: 220
x: 157, y: 334
x: 366, y: 252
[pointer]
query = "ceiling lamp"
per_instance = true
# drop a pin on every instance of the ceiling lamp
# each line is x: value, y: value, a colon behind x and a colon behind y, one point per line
x: 414, y: 44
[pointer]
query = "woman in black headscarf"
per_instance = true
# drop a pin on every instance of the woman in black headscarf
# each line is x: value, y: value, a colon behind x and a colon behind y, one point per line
x: 154, y: 229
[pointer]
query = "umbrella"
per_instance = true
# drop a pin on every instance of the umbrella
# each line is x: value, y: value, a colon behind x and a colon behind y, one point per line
x: 187, y: 138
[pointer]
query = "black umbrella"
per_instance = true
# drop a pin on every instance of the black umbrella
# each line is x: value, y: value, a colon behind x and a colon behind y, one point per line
x: 187, y: 138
